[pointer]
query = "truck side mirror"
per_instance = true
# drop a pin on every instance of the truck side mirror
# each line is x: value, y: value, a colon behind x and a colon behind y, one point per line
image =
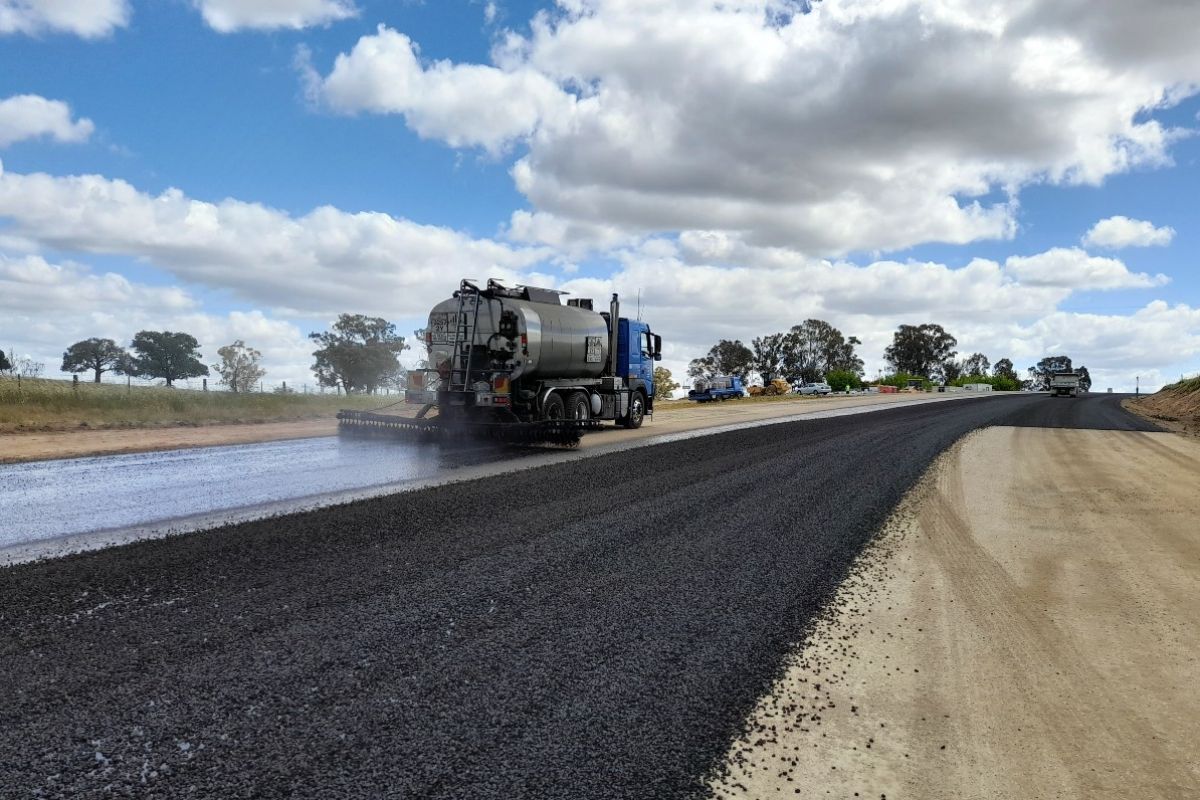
x: 657, y: 347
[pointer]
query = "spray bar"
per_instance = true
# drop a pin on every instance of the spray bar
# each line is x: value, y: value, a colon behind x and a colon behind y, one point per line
x: 566, y: 432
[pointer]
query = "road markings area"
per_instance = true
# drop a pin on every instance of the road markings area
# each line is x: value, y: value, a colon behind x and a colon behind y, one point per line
x: 1027, y: 625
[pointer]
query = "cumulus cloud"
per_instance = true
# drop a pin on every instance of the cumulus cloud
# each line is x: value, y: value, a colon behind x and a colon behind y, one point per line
x: 45, y: 307
x: 227, y: 16
x: 850, y: 125
x: 1074, y: 268
x: 28, y: 116
x: 1158, y: 343
x: 86, y: 18
x: 322, y: 263
x: 32, y: 284
x: 464, y: 105
x: 1117, y: 232
x: 708, y: 286
x: 696, y: 287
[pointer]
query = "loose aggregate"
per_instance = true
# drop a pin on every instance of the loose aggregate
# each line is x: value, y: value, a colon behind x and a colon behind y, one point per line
x: 594, y: 629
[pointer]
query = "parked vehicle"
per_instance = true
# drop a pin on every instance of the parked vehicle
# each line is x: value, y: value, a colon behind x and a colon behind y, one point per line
x: 814, y: 388
x: 1065, y: 384
x: 722, y: 387
x: 518, y: 361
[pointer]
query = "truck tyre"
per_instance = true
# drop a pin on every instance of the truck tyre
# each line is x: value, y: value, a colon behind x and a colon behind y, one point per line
x: 579, y: 406
x: 554, y: 408
x: 637, y: 411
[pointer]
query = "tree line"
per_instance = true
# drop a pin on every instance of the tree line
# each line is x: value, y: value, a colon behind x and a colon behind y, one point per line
x: 811, y: 351
x: 359, y: 354
x: 815, y: 350
x: 164, y: 355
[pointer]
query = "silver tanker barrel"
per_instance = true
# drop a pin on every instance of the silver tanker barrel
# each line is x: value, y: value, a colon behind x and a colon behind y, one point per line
x: 529, y: 338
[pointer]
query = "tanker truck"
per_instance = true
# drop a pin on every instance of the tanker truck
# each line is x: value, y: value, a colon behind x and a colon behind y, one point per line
x: 519, y: 365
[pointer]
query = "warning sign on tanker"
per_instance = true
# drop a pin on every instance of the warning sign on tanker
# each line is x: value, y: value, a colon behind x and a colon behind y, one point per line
x: 595, y: 349
x: 441, y: 327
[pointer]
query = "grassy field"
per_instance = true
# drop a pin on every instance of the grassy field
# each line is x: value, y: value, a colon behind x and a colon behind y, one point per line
x: 1184, y: 386
x: 45, y: 405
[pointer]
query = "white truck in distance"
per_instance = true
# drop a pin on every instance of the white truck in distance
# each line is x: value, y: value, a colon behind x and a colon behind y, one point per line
x: 1064, y: 384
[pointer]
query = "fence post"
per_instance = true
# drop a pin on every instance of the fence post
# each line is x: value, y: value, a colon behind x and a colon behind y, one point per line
x: 205, y: 384
x: 75, y: 382
x: 285, y: 387
x: 260, y: 389
x: 128, y: 384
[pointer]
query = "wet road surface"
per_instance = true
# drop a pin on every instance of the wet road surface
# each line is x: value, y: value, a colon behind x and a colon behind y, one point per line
x: 67, y: 505
x: 51, y: 499
x: 592, y: 629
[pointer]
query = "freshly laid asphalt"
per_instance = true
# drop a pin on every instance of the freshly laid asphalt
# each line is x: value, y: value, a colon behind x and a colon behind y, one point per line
x: 594, y: 629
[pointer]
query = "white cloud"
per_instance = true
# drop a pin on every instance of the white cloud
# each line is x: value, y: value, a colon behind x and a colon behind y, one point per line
x: 1157, y: 343
x: 1074, y: 268
x: 45, y: 307
x: 33, y: 285
x: 566, y: 236
x: 858, y: 125
x: 695, y: 290
x: 319, y: 264
x: 465, y: 105
x: 87, y: 18
x: 1117, y: 232
x: 28, y: 116
x: 709, y: 286
x: 228, y: 16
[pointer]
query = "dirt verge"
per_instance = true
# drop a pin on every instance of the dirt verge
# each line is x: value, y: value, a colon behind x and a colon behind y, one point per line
x: 1026, y: 626
x: 1176, y: 409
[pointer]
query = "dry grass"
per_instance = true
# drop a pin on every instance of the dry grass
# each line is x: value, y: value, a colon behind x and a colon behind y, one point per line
x: 45, y: 405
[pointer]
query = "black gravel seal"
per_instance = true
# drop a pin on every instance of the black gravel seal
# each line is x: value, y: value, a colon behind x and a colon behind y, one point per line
x: 596, y: 629
x: 1091, y: 411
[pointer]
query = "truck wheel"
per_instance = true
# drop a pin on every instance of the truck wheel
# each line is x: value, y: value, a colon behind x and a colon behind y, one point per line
x: 579, y: 407
x: 637, y: 411
x: 554, y: 408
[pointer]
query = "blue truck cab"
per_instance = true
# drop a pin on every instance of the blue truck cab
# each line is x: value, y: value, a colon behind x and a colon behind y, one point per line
x: 636, y: 351
x: 722, y: 387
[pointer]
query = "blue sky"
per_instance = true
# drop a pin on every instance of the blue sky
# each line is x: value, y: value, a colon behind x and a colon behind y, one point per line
x: 178, y: 104
x: 252, y: 174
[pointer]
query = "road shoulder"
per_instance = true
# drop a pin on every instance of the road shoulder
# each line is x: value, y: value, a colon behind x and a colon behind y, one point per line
x: 21, y: 447
x: 1026, y: 625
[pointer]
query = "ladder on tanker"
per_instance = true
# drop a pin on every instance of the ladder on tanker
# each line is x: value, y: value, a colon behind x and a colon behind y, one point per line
x: 465, y: 322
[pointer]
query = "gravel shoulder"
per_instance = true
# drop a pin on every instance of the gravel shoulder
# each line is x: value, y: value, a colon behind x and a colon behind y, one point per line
x: 1027, y: 625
